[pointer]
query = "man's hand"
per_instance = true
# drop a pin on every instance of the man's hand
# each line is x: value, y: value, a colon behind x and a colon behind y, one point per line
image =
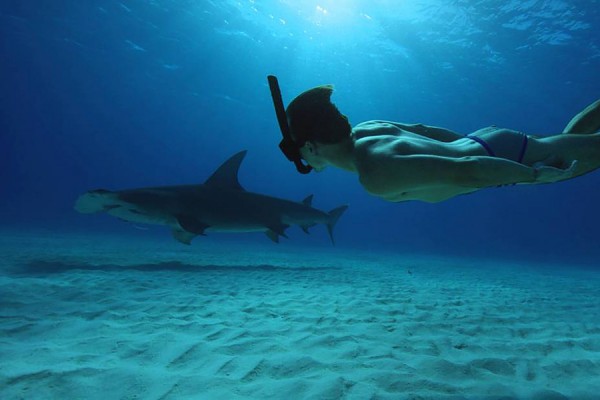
x: 548, y: 174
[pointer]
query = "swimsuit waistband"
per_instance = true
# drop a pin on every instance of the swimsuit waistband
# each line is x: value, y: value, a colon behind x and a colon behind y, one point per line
x: 510, y: 145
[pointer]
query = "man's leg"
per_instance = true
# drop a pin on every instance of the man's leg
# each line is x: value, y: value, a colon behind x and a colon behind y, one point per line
x: 561, y: 150
x: 586, y: 122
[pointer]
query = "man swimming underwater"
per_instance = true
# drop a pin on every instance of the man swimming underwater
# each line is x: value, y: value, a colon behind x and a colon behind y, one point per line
x: 400, y: 162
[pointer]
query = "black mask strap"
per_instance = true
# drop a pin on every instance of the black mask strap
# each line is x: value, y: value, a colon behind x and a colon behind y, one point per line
x: 287, y: 145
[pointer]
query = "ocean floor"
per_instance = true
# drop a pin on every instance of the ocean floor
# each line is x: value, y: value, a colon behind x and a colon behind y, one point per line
x: 103, y: 317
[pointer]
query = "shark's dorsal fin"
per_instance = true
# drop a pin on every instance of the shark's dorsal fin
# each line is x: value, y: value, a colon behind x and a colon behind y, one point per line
x: 226, y: 176
x: 308, y: 201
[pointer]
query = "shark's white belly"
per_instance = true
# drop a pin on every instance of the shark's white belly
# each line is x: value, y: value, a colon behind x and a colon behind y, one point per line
x: 133, y: 215
x: 138, y: 217
x: 236, y: 228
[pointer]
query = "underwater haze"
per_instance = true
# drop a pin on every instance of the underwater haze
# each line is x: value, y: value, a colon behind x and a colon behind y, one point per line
x: 415, y: 299
x: 114, y: 95
x: 127, y: 94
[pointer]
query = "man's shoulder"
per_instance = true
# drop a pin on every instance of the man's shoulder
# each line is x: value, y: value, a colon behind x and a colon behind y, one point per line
x: 376, y: 126
x: 381, y: 129
x: 381, y: 143
x: 373, y: 153
x: 371, y: 144
x: 372, y: 157
x: 373, y: 122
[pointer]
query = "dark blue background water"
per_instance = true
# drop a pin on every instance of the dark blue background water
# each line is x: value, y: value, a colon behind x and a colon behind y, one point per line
x: 134, y: 93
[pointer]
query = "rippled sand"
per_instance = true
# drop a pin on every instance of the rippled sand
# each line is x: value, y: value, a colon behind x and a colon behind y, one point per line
x: 99, y: 318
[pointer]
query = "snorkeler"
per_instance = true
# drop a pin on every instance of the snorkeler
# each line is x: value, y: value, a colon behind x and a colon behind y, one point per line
x: 400, y: 162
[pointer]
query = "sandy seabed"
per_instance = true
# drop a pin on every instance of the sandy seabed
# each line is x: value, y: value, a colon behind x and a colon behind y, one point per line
x: 93, y: 317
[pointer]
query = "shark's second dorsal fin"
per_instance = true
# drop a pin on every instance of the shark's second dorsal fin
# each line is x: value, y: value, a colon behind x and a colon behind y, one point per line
x: 226, y: 176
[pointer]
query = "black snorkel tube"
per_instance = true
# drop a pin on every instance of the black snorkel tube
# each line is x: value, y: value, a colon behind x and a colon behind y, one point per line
x: 287, y: 145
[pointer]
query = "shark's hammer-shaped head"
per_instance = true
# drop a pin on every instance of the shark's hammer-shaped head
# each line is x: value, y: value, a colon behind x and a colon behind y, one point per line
x: 95, y: 201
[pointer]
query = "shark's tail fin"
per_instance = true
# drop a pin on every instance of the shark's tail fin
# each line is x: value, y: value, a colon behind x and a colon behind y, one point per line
x: 334, y: 215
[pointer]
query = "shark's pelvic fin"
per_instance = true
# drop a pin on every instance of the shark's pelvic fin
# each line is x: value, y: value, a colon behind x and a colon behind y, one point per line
x: 183, y: 236
x: 334, y: 215
x: 226, y: 176
x: 273, y: 236
x: 305, y: 228
x: 191, y: 224
x: 308, y: 203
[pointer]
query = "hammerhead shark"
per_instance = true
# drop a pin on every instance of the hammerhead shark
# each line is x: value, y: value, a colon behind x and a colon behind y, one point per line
x: 220, y: 204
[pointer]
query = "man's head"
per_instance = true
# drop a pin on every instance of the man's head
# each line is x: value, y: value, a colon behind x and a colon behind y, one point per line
x: 313, y: 117
x: 312, y: 127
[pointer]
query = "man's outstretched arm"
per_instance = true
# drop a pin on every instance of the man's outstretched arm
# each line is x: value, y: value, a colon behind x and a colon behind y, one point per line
x: 389, y: 174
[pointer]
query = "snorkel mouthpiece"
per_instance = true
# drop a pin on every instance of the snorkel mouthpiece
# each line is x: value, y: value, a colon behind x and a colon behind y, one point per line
x: 288, y: 145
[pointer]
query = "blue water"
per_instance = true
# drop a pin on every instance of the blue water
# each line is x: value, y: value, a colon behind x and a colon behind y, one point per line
x: 120, y: 94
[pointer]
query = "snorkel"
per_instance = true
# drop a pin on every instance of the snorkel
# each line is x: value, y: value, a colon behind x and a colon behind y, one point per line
x: 288, y: 145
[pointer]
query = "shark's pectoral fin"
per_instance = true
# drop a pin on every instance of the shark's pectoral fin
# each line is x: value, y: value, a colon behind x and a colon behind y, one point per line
x: 183, y: 236
x: 191, y: 224
x: 275, y: 230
